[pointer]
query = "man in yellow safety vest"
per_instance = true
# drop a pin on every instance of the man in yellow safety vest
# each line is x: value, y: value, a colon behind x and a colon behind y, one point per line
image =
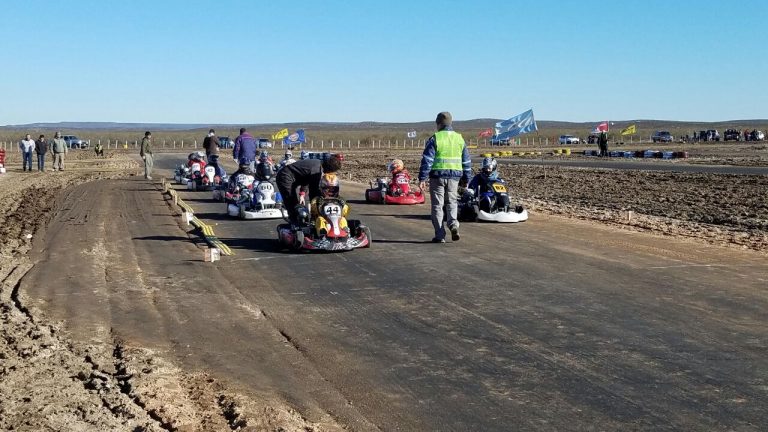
x: 446, y: 163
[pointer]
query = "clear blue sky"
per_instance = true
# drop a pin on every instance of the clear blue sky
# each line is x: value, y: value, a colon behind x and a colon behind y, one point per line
x: 272, y: 61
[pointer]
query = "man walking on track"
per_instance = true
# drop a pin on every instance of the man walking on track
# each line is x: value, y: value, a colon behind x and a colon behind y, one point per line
x: 445, y: 162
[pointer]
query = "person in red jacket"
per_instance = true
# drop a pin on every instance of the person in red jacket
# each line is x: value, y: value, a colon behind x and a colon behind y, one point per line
x: 400, y: 183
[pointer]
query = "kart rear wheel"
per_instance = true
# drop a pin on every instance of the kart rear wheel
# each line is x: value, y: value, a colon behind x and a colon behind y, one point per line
x: 298, y: 240
x: 367, y: 232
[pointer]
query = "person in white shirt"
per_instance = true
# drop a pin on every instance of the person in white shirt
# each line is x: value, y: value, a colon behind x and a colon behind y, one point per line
x: 27, y: 146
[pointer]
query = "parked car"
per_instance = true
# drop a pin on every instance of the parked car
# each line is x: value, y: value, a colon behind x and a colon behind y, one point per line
x: 499, y: 142
x: 74, y: 142
x: 662, y: 136
x: 592, y: 139
x: 568, y: 139
x: 755, y: 135
x: 225, y: 142
x: 731, y: 135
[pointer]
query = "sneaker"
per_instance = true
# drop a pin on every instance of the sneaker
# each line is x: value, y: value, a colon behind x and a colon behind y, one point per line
x: 438, y: 240
x: 455, y: 234
x: 148, y: 178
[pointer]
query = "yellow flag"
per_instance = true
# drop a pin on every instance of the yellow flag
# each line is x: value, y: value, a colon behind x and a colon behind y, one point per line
x: 280, y: 135
x: 629, y: 130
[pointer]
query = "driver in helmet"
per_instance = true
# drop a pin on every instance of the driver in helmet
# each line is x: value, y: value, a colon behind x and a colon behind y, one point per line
x: 244, y: 169
x: 481, y: 182
x: 329, y: 189
x: 400, y: 183
x: 196, y: 158
x: 304, y: 155
x: 287, y: 159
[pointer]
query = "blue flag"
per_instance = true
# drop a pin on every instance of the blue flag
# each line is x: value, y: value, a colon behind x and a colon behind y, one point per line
x: 517, y: 125
x: 294, y: 138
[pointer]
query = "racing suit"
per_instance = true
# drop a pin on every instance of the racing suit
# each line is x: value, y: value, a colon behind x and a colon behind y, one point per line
x: 400, y: 183
x: 321, y: 225
x: 481, y: 183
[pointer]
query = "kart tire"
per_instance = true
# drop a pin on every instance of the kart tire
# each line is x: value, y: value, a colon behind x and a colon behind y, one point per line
x: 367, y: 232
x: 298, y: 240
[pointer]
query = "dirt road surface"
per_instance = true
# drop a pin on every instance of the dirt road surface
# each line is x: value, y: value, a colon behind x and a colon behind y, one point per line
x: 554, y: 324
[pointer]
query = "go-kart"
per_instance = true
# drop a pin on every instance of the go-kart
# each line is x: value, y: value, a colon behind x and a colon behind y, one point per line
x: 229, y: 190
x: 181, y: 174
x: 490, y: 206
x: 329, y: 231
x: 380, y: 193
x: 260, y: 201
x: 201, y: 180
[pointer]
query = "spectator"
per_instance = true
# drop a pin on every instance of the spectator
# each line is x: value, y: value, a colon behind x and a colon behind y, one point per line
x: 27, y: 146
x: 602, y: 142
x: 146, y: 154
x: 446, y: 163
x: 98, y: 149
x: 59, y: 149
x: 211, y: 144
x: 41, y: 148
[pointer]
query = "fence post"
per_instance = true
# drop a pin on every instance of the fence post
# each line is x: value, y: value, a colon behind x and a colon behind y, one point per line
x: 182, y: 143
x: 195, y: 143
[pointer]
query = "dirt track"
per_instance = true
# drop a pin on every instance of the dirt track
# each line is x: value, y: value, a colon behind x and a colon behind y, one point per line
x: 54, y: 376
x: 104, y: 380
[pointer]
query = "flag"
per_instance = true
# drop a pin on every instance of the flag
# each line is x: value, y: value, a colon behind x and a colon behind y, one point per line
x: 280, y: 134
x: 629, y: 130
x: 602, y: 127
x: 412, y: 134
x: 486, y: 133
x: 517, y: 125
x: 294, y: 138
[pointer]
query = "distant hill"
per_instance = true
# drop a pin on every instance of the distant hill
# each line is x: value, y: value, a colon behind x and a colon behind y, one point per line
x: 371, y: 125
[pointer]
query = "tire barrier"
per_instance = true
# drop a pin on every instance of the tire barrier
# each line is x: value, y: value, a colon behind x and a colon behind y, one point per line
x: 645, y: 154
x: 510, y: 153
x: 207, y: 230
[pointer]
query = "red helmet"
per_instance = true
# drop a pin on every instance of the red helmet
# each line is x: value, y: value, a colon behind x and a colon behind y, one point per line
x: 395, y: 166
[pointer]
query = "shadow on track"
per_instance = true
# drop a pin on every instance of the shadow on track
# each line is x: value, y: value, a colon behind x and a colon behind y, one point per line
x: 254, y: 244
x: 402, y: 241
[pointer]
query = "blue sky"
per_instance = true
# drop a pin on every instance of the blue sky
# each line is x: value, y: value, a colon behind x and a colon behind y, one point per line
x: 263, y: 62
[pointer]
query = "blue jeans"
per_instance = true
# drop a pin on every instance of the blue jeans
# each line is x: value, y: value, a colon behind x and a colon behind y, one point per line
x: 26, y: 160
x: 41, y: 162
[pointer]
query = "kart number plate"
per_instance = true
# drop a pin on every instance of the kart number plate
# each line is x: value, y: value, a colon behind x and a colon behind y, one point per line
x: 499, y: 187
x: 402, y: 180
x: 332, y: 209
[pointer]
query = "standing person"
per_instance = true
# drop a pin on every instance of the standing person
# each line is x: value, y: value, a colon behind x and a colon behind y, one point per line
x: 305, y: 173
x: 59, y: 149
x: 211, y: 144
x: 27, y: 146
x: 602, y: 142
x: 41, y: 148
x: 445, y: 162
x: 146, y: 154
x: 245, y: 148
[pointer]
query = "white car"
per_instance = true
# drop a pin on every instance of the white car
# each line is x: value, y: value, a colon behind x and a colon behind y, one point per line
x: 569, y: 139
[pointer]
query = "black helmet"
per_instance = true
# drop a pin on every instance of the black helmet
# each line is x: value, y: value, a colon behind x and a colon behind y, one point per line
x: 489, y: 166
x: 264, y: 171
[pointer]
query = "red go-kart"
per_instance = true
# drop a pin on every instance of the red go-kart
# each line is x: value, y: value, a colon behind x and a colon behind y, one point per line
x: 381, y: 193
